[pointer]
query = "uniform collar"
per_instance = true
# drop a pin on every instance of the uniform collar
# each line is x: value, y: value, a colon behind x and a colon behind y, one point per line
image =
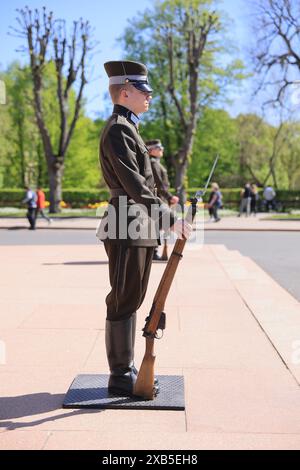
x: 132, y: 117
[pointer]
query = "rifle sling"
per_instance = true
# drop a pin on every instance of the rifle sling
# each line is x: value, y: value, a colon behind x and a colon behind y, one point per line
x: 177, y: 254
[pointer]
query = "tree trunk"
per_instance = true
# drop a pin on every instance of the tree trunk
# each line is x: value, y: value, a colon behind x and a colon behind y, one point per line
x: 40, y: 164
x: 243, y: 165
x: 180, y: 171
x: 166, y: 142
x: 55, y: 171
x: 274, y: 178
x: 290, y: 176
x: 20, y: 144
x: 182, y: 158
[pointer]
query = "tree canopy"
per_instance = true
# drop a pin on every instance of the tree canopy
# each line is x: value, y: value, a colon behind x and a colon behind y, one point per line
x: 192, y: 66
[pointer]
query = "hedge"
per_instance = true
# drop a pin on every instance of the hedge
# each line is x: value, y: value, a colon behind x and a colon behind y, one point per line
x: 73, y: 197
x: 232, y: 196
x: 83, y: 197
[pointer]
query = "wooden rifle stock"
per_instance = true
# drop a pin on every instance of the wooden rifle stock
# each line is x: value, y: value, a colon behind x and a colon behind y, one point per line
x: 144, y: 386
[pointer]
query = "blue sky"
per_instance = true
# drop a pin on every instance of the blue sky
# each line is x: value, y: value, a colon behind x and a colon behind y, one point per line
x: 109, y: 20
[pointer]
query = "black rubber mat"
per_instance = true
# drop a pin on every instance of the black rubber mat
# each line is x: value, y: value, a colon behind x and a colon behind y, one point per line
x: 90, y: 391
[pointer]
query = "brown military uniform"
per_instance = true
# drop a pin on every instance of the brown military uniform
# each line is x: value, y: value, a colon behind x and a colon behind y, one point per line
x: 162, y: 184
x: 161, y: 179
x: 126, y: 169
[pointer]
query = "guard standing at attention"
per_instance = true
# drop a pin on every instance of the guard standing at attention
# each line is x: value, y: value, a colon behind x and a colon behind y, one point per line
x: 130, y: 227
x: 161, y: 179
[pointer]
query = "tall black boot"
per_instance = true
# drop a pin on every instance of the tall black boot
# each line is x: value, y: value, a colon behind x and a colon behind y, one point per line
x: 156, y: 256
x: 133, y: 330
x: 119, y: 337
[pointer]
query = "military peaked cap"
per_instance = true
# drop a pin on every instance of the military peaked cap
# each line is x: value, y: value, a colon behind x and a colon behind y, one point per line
x: 152, y: 144
x: 121, y: 72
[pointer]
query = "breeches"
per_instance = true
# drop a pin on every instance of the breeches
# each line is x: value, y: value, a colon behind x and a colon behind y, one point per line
x: 129, y: 271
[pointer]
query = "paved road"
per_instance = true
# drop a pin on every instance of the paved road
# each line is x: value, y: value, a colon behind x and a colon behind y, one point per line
x: 277, y: 253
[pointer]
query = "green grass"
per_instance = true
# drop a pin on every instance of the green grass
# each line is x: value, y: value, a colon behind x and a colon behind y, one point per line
x: 282, y: 217
x: 14, y: 212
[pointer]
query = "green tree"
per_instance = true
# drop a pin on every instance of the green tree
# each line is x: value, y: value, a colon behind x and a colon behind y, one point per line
x: 289, y: 156
x: 216, y: 133
x: 5, y: 147
x: 182, y: 42
x: 69, y: 55
x: 82, y: 163
x: 21, y: 151
x: 20, y: 132
x: 255, y: 147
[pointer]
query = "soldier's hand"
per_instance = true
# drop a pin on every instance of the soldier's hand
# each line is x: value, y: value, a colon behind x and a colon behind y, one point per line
x: 182, y: 228
x: 174, y: 200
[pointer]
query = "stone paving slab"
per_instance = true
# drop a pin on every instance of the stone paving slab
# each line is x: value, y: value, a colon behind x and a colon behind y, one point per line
x: 230, y: 329
x: 99, y: 440
x: 172, y: 441
x: 276, y: 311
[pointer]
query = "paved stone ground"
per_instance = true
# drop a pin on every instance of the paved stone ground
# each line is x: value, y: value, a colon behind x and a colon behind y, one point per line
x: 232, y: 331
x: 226, y: 223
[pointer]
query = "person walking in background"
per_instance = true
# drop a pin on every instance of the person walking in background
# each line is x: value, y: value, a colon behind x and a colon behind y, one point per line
x: 254, y: 198
x: 41, y: 205
x: 269, y: 197
x: 30, y: 199
x: 214, y: 203
x: 245, y: 200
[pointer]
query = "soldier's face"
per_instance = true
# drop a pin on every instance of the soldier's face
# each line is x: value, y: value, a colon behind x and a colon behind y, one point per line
x: 138, y: 101
x: 157, y: 152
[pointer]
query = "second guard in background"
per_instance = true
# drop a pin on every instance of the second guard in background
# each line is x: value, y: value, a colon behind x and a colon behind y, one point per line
x: 156, y: 152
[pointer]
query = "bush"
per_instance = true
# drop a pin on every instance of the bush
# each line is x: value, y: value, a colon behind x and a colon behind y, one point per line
x: 232, y: 196
x: 285, y: 196
x: 72, y: 197
x: 83, y: 197
x: 11, y: 197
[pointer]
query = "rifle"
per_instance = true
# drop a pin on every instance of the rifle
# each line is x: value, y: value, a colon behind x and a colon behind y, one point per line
x: 156, y: 320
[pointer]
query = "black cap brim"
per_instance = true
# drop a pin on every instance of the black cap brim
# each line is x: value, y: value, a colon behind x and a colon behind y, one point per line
x: 145, y: 87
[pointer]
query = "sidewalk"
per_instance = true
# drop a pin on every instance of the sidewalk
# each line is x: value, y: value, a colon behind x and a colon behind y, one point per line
x: 227, y: 223
x: 231, y: 331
